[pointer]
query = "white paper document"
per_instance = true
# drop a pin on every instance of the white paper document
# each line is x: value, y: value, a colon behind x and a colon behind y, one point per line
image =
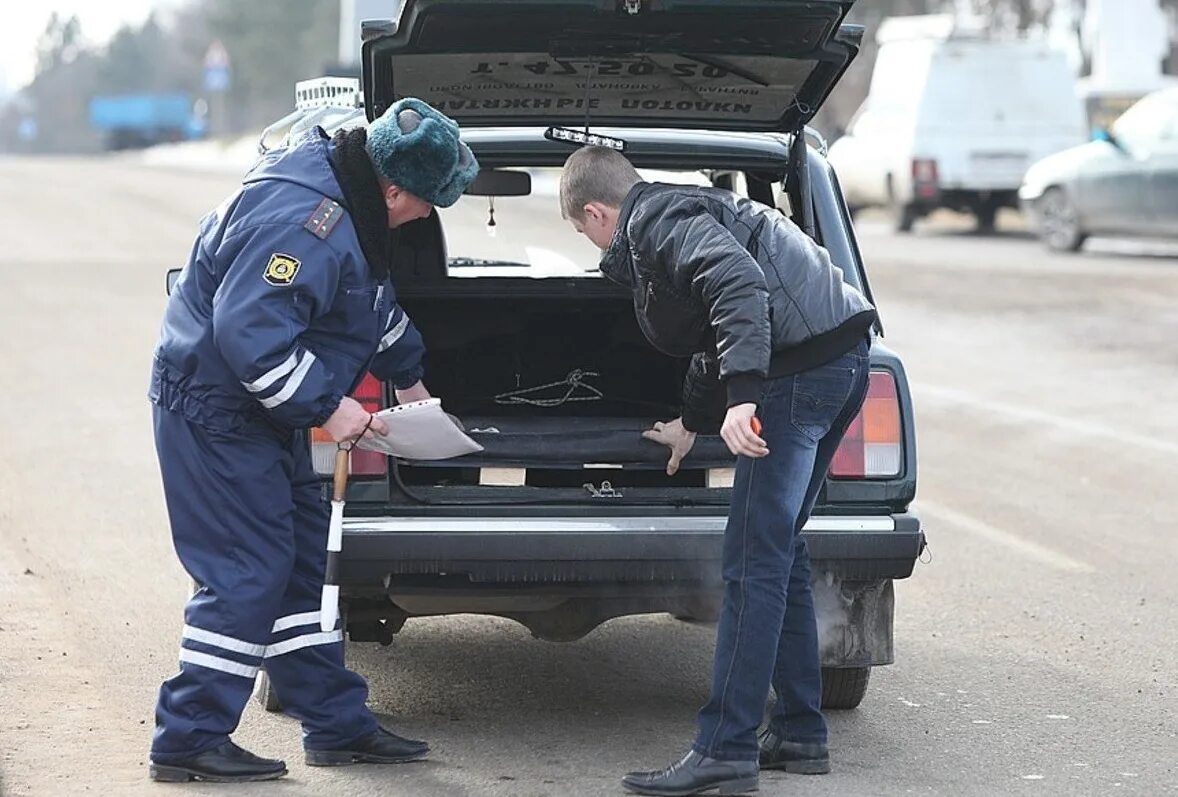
x: 420, y: 430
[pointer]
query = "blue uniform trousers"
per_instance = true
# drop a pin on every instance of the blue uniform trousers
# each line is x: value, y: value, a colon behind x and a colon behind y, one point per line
x: 250, y: 526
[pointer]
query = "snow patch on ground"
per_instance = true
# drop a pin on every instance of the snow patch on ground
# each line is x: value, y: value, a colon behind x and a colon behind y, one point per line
x: 233, y: 156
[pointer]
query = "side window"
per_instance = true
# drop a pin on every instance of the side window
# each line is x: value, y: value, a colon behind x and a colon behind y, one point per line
x: 781, y: 199
x: 730, y: 181
x: 1144, y: 125
x: 1170, y: 134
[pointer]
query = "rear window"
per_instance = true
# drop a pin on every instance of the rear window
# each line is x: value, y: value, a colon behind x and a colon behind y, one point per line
x: 529, y: 238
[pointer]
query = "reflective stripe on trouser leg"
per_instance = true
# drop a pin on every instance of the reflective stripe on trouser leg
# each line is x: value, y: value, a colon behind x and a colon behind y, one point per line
x: 306, y: 664
x: 229, y: 506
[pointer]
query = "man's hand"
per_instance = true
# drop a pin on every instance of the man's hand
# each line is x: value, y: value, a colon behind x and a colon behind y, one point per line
x: 411, y: 394
x: 738, y: 433
x: 349, y: 420
x: 675, y: 437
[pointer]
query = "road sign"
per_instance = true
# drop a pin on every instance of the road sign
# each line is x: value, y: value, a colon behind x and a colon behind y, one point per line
x: 217, y: 68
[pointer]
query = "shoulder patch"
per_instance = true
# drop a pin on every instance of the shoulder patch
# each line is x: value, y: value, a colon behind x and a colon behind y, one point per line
x: 324, y: 219
x: 281, y: 270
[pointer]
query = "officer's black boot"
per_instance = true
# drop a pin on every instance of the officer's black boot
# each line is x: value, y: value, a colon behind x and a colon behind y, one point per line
x: 378, y: 747
x: 225, y: 764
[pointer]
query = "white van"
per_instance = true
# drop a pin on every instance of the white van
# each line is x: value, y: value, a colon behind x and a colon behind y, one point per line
x: 953, y: 118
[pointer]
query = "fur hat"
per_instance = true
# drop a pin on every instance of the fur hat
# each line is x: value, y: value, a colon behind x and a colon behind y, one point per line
x: 418, y: 148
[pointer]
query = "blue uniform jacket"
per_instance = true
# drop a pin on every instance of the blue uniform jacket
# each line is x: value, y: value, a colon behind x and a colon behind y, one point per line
x: 276, y: 315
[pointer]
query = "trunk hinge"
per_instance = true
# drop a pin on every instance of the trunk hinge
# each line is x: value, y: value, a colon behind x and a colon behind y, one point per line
x: 799, y: 162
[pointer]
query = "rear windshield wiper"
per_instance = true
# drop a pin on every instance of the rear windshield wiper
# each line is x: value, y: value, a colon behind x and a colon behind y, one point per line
x: 719, y: 63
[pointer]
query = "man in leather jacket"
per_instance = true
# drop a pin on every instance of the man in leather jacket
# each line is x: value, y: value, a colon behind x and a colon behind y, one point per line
x: 775, y: 333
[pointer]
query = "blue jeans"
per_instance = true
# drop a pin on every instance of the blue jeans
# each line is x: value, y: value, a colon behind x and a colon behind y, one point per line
x: 768, y: 634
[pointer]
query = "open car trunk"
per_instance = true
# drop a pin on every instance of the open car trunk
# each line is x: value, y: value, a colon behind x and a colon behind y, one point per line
x: 763, y: 65
x: 556, y: 381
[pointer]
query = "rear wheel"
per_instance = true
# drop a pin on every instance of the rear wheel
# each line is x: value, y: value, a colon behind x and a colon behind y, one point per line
x: 1059, y: 222
x: 986, y: 215
x: 903, y: 213
x: 844, y: 687
x: 703, y: 609
x: 264, y: 693
x: 903, y: 217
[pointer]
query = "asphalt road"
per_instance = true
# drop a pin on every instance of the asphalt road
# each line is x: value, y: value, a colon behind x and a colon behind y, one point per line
x: 1037, y: 653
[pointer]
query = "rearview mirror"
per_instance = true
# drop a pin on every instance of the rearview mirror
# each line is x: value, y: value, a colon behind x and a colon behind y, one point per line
x: 173, y: 275
x: 500, y: 182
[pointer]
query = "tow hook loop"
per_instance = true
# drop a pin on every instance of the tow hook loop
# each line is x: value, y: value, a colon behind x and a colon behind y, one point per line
x: 605, y: 491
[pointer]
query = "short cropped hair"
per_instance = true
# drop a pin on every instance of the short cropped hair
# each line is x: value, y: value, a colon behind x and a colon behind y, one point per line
x: 595, y: 174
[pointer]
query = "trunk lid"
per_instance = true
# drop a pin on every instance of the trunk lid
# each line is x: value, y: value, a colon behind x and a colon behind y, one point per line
x: 747, y: 65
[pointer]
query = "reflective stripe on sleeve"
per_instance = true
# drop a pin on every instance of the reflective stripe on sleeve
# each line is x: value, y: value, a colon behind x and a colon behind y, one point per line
x: 394, y: 334
x: 292, y: 383
x: 271, y: 376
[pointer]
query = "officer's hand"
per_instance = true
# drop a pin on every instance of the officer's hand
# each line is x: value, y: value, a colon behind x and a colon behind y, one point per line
x: 675, y: 437
x: 411, y: 394
x: 348, y: 422
x: 738, y: 433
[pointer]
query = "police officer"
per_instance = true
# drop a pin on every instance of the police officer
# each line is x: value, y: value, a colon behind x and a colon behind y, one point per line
x: 284, y: 304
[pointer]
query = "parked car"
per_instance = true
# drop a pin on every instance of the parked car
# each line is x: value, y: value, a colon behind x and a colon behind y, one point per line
x: 952, y: 119
x: 567, y: 518
x: 1124, y: 182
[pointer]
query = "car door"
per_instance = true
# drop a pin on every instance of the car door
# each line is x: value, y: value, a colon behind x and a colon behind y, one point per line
x: 1163, y: 179
x: 1113, y: 192
x: 1117, y: 188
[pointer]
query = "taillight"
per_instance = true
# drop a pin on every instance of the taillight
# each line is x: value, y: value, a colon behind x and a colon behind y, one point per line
x: 925, y: 177
x: 873, y: 445
x: 363, y: 463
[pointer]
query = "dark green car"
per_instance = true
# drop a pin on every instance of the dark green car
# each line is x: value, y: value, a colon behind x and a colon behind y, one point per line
x: 567, y: 518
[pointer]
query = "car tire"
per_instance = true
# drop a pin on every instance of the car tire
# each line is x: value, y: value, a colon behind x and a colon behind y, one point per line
x: 986, y: 215
x: 1059, y: 222
x: 903, y: 213
x: 264, y: 693
x: 698, y: 610
x: 844, y: 687
x: 904, y: 218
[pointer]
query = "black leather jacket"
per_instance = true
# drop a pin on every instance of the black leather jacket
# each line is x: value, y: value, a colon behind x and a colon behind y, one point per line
x: 735, y: 285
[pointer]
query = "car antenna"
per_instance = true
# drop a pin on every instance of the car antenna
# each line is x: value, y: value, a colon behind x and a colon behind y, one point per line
x: 581, y: 138
x: 588, y: 93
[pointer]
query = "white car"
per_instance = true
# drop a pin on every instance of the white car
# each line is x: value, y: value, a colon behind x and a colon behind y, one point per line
x: 952, y: 119
x: 1123, y: 183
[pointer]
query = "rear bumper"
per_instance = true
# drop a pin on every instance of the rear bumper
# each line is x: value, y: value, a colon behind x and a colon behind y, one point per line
x: 623, y: 548
x: 969, y: 198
